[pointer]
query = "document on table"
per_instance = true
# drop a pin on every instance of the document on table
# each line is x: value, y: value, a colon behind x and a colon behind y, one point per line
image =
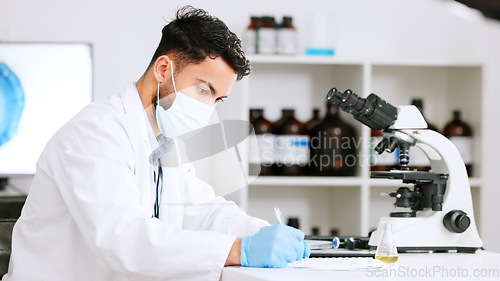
x: 339, y: 264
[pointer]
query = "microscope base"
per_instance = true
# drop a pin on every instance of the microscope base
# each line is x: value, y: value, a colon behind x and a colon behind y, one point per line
x: 468, y: 250
x: 425, y: 234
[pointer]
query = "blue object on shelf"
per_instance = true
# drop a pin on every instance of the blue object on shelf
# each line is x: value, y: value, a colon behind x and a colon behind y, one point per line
x: 319, y: 52
x: 11, y: 103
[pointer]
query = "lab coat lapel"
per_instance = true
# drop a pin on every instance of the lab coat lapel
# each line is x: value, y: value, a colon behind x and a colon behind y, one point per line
x: 134, y: 110
x: 172, y: 196
x: 136, y: 115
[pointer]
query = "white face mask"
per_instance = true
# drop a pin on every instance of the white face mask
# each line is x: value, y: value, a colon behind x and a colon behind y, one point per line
x: 186, y: 114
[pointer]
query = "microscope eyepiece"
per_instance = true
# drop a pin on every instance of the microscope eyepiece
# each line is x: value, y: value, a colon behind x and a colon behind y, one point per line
x: 372, y: 111
x: 333, y: 95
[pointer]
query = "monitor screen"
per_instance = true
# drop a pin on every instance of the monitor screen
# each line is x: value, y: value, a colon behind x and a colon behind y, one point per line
x: 42, y: 86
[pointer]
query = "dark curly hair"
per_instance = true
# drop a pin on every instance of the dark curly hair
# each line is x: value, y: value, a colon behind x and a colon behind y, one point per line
x: 194, y: 34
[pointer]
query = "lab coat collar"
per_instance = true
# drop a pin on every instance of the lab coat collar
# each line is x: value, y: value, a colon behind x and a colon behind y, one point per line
x: 132, y: 105
x: 134, y: 109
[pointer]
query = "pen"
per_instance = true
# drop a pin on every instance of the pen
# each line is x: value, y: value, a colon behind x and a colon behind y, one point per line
x: 277, y: 214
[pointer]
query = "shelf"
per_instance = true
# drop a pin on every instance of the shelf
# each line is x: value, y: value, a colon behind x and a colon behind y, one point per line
x: 334, y: 181
x: 332, y: 60
x: 306, y: 181
x: 436, y: 62
x: 298, y: 59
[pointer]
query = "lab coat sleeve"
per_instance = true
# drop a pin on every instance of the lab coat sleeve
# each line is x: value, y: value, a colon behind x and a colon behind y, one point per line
x: 215, y: 213
x: 98, y: 183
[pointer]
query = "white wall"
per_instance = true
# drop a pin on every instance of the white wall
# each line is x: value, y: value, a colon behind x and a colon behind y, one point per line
x: 125, y: 33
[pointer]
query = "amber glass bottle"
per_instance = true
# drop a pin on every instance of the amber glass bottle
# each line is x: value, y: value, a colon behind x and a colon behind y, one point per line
x: 333, y: 146
x: 292, y: 145
x: 267, y: 36
x: 275, y: 125
x: 285, y: 112
x: 263, y: 155
x: 287, y: 37
x: 313, y: 121
x: 460, y: 134
x: 252, y: 35
x: 418, y: 159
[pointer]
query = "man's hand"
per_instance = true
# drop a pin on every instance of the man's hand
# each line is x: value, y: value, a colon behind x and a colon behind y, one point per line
x: 274, y: 246
x: 234, y: 254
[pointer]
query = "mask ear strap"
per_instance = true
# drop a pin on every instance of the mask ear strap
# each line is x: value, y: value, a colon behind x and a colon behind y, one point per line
x: 173, y: 83
x: 158, y: 95
x: 172, y: 71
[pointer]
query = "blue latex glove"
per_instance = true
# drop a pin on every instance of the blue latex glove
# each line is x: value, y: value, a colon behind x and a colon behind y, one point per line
x: 274, y: 246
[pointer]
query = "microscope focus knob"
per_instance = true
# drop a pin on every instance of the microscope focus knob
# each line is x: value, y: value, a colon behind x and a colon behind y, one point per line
x: 456, y: 221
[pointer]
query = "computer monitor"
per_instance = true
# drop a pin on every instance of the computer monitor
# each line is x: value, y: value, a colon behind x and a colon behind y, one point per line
x: 42, y: 86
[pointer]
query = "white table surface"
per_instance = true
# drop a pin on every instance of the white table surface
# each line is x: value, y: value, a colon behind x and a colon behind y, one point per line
x: 422, y: 266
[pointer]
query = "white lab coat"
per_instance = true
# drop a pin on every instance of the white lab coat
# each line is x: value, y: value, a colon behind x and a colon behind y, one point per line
x: 88, y: 212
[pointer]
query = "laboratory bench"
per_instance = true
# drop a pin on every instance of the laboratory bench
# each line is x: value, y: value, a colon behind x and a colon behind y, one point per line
x: 481, y: 265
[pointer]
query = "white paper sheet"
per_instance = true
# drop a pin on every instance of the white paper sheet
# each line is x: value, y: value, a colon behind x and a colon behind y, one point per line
x: 339, y: 264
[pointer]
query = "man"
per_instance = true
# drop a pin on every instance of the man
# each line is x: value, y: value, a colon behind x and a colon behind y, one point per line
x: 94, y: 211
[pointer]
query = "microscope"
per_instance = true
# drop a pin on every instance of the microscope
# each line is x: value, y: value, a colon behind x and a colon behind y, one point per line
x: 439, y: 216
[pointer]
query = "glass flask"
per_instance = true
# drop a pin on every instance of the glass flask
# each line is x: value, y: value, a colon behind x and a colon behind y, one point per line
x: 386, y: 249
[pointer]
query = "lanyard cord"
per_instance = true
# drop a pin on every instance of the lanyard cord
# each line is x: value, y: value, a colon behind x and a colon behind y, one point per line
x: 165, y: 145
x: 159, y: 187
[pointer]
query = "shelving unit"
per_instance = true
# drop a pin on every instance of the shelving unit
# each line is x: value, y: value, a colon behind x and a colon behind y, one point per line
x: 351, y: 205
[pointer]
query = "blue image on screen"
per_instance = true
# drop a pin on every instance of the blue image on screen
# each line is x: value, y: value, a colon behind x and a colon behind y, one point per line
x: 11, y: 103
